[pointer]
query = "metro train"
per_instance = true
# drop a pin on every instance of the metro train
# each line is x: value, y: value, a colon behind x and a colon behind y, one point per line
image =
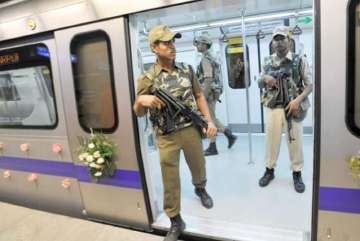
x: 69, y: 67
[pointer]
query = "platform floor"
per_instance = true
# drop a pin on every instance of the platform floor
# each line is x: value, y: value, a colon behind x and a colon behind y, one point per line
x: 24, y: 224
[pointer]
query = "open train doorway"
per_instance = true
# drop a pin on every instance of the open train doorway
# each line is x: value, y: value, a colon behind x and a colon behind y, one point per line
x: 241, y: 33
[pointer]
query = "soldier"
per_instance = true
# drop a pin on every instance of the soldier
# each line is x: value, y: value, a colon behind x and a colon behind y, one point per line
x: 286, y: 79
x: 178, y: 79
x: 209, y: 72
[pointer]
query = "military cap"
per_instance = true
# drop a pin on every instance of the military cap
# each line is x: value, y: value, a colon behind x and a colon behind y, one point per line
x: 162, y: 33
x: 281, y: 30
x: 202, y: 39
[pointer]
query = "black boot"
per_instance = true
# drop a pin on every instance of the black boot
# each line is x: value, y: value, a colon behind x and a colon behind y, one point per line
x: 211, y: 150
x: 298, y: 183
x: 268, y: 176
x: 205, y: 198
x: 231, y: 138
x: 177, y: 227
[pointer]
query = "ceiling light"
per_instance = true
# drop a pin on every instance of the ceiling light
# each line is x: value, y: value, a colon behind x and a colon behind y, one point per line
x: 189, y: 27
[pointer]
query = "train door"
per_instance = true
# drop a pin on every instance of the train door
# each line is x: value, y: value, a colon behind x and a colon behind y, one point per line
x: 95, y: 83
x: 35, y: 157
x: 242, y: 209
x: 339, y: 195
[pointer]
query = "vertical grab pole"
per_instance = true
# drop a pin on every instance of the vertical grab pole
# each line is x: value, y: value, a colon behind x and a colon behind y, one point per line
x: 251, y: 161
x: 261, y: 91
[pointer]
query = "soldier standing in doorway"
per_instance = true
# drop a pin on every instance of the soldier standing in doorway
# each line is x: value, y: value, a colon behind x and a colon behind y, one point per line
x: 286, y: 80
x: 179, y: 80
x: 209, y: 74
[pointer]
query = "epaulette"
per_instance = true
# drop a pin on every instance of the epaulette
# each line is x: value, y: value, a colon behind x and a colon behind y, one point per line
x: 150, y: 73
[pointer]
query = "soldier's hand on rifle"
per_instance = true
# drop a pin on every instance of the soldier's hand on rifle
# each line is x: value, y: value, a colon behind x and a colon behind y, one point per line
x: 293, y: 108
x: 211, y: 130
x: 151, y: 101
x: 270, y: 81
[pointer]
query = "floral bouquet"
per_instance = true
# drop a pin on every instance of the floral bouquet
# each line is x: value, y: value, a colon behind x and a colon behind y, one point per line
x: 354, y: 165
x: 97, y: 154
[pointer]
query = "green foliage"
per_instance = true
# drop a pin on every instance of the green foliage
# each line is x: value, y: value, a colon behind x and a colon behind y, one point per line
x: 97, y: 153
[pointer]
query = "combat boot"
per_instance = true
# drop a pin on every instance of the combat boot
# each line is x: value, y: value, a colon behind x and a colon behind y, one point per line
x: 177, y: 227
x: 298, y: 183
x: 231, y: 138
x: 267, y: 177
x: 205, y: 198
x: 211, y: 150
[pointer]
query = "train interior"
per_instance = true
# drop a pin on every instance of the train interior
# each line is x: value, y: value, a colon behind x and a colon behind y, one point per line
x: 242, y: 210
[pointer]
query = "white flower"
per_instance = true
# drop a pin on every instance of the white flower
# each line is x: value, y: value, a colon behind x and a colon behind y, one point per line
x: 97, y: 154
x: 93, y: 165
x: 81, y: 157
x: 91, y: 145
x: 100, y: 160
x: 90, y: 158
x: 98, y: 174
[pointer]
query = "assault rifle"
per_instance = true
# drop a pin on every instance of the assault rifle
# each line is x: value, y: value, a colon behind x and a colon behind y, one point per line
x: 174, y: 107
x: 282, y: 95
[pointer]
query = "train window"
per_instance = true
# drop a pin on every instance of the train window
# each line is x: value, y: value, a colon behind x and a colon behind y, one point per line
x: 234, y: 52
x: 353, y: 76
x: 26, y: 88
x: 94, y: 82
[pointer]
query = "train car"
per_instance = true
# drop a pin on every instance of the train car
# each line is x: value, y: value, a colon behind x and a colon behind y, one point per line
x: 68, y: 71
x: 338, y: 139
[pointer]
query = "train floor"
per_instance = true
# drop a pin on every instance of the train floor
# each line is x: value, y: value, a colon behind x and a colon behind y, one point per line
x: 24, y: 224
x: 243, y: 210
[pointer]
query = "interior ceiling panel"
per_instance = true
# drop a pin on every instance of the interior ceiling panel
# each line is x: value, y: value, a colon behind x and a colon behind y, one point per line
x: 205, y: 13
x: 212, y: 10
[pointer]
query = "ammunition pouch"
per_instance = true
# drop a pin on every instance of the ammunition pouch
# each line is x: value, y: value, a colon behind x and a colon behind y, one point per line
x: 269, y: 98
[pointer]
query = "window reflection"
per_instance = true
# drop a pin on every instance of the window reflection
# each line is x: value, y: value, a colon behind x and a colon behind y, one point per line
x: 235, y: 63
x: 26, y: 97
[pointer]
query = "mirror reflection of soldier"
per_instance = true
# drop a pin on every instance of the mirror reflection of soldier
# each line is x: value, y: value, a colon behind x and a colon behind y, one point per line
x: 286, y: 80
x: 208, y: 72
x: 179, y: 80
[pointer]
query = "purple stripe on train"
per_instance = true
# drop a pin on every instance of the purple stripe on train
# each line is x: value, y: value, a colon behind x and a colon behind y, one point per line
x: 122, y: 178
x: 339, y: 199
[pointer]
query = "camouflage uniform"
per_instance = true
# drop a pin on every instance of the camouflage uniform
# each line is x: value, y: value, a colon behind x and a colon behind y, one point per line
x: 182, y: 84
x: 299, y: 75
x: 209, y: 74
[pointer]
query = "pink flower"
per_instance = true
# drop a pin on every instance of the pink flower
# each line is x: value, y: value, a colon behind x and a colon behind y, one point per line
x: 57, y: 148
x: 66, y: 183
x: 25, y: 147
x: 32, y: 177
x: 7, y: 174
